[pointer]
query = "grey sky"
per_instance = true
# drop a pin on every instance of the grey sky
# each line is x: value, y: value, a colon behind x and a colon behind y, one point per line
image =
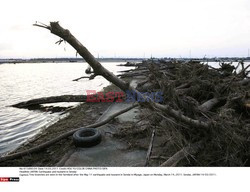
x: 129, y: 28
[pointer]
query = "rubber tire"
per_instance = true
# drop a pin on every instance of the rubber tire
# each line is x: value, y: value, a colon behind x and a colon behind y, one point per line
x: 87, y: 137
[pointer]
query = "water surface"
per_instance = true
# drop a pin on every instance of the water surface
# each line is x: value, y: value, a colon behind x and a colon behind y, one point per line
x: 22, y: 82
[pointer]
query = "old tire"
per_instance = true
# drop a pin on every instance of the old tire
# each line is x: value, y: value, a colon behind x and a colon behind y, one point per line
x: 87, y: 137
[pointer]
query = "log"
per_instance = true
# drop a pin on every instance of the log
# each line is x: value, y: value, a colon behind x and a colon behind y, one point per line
x: 208, y: 105
x: 132, y: 75
x: 184, y: 86
x: 56, y: 99
x: 184, y: 152
x: 53, y: 99
x: 150, y: 148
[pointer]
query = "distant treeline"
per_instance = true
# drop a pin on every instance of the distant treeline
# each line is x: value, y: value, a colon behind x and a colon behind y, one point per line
x: 67, y: 60
x: 75, y: 60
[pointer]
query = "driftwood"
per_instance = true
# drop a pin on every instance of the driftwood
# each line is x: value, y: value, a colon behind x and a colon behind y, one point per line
x: 144, y: 72
x: 247, y: 104
x: 54, y: 99
x: 57, y: 99
x: 184, y: 86
x: 183, y: 153
x: 150, y: 148
x: 208, y: 105
x: 179, y: 116
x: 84, y: 77
x: 63, y: 136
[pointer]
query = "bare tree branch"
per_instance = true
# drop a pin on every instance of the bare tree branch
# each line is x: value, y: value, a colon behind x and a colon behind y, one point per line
x: 65, y: 34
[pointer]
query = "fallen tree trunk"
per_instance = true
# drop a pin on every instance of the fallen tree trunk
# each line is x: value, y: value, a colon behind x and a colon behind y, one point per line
x: 65, y: 135
x: 65, y: 34
x: 58, y: 99
x: 53, y: 99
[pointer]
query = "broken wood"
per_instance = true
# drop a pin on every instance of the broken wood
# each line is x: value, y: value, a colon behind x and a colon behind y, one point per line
x: 84, y: 77
x: 150, y: 148
x: 179, y: 116
x: 244, y: 82
x: 58, y: 99
x: 183, y: 153
x: 53, y: 99
x: 208, y: 105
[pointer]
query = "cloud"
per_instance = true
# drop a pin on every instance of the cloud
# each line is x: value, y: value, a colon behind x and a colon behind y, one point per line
x: 5, y: 46
x: 160, y: 27
x: 17, y: 27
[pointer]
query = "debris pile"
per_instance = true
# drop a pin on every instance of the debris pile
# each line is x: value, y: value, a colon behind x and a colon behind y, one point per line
x: 217, y: 99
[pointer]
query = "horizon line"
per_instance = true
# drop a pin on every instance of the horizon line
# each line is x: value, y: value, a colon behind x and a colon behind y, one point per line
x: 75, y: 58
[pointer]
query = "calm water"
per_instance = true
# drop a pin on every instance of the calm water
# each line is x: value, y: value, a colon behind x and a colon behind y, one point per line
x: 22, y: 82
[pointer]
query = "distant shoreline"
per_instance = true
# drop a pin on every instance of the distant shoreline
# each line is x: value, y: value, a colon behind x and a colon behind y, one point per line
x: 80, y: 60
x: 66, y: 60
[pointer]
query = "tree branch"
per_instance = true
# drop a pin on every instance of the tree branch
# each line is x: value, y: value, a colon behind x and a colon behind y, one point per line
x: 179, y: 116
x: 65, y: 34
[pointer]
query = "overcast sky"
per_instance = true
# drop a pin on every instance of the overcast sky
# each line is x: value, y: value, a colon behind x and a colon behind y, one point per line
x: 127, y: 28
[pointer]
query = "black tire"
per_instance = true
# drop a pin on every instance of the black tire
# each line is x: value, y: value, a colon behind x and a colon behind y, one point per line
x: 87, y: 137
